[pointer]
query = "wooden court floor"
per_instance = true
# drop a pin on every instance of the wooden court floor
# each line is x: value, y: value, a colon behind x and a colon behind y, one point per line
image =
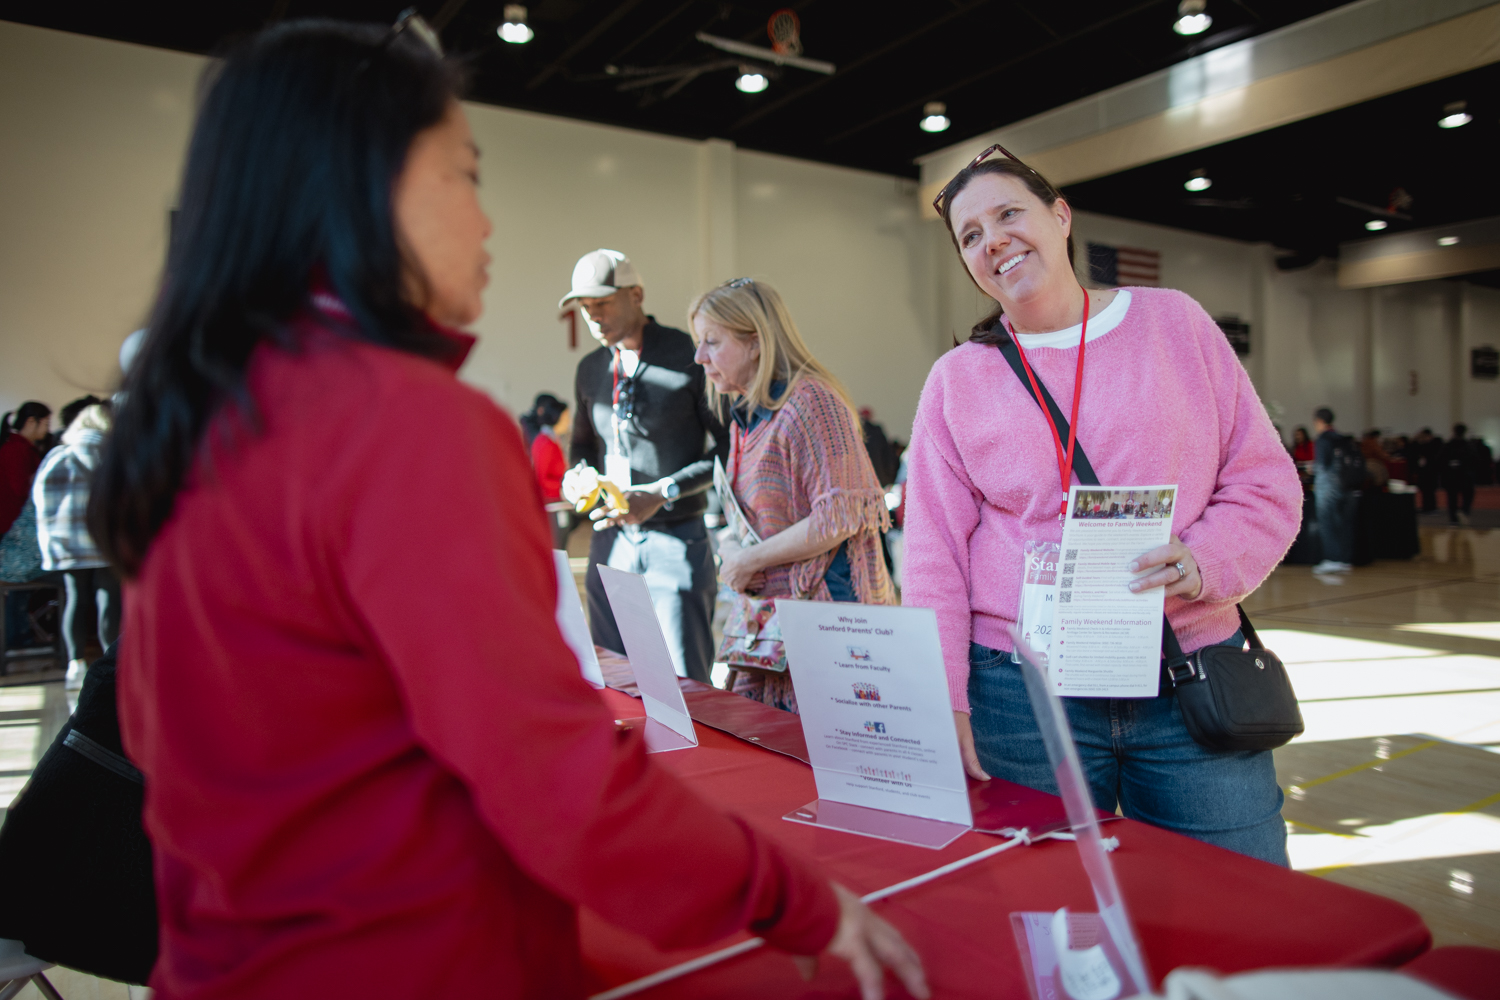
x: 1395, y: 786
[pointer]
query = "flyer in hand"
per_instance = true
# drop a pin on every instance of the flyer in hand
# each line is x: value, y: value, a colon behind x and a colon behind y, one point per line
x: 734, y: 517
x: 1106, y: 640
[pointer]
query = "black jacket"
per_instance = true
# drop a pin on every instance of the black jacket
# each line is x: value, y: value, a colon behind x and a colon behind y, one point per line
x: 1456, y: 462
x: 669, y: 425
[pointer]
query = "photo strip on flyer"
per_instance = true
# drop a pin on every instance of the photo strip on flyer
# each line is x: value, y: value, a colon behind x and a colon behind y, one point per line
x: 1072, y: 786
x: 1038, y: 598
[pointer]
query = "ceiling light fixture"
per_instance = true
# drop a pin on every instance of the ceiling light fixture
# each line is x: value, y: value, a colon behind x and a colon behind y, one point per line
x: 751, y: 81
x: 1191, y: 19
x: 1376, y: 225
x: 514, y: 28
x: 935, y: 117
x: 1198, y: 181
x: 1447, y: 241
x: 1454, y: 115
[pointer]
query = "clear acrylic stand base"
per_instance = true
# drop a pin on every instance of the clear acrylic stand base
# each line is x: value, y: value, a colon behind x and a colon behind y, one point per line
x: 877, y: 823
x: 659, y: 738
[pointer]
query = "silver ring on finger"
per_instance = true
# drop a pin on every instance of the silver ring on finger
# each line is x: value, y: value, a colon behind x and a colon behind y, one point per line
x: 1181, y: 572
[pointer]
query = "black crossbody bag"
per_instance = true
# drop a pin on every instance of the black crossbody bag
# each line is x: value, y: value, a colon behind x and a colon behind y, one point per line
x: 1231, y: 699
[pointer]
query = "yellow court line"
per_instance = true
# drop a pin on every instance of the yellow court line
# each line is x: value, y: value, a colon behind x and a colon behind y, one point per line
x: 1319, y: 829
x: 1476, y: 806
x: 1485, y: 802
x: 1304, y: 786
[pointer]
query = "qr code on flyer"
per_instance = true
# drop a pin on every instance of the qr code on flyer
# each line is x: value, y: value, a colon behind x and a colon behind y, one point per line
x: 1072, y: 554
x: 1065, y: 597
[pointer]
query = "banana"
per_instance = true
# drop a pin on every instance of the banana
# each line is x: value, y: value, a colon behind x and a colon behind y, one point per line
x: 583, y: 487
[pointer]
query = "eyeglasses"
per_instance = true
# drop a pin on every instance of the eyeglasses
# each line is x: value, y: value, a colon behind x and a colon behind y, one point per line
x: 937, y: 203
x: 738, y: 283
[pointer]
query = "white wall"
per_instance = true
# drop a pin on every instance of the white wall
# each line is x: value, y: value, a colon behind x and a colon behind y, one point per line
x: 1479, y: 326
x: 94, y: 134
x: 852, y: 259
x: 91, y: 140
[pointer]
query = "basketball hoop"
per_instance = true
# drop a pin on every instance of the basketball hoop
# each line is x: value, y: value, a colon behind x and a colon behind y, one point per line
x: 786, y: 33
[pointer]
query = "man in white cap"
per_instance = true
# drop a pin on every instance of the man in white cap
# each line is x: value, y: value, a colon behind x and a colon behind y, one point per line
x: 643, y: 419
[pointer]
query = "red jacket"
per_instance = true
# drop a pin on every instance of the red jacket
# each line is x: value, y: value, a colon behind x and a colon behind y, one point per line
x: 547, y: 459
x: 368, y: 771
x: 18, y: 463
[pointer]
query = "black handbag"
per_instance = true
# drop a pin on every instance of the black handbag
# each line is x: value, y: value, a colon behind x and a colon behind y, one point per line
x: 1231, y: 699
x: 74, y: 858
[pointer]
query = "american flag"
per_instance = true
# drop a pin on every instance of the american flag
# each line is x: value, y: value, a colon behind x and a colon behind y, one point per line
x: 1123, y: 265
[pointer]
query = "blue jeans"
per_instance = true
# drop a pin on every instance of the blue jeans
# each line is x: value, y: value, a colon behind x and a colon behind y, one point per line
x: 1137, y: 755
x: 678, y: 564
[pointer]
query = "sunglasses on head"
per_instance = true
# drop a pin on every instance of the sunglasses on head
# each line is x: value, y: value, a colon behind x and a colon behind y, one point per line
x: 942, y: 197
x: 410, y: 20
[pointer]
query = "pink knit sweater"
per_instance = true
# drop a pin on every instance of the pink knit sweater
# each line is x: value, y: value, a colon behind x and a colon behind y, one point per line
x: 1164, y: 401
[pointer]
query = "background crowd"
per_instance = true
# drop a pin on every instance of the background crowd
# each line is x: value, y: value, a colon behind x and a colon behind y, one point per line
x: 44, y: 537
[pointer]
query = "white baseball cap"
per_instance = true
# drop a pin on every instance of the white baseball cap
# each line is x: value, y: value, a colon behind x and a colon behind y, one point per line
x: 601, y: 273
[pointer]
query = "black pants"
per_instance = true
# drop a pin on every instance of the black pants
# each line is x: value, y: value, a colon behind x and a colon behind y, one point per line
x: 96, y: 589
x: 678, y: 565
x: 1460, y: 496
x: 1429, y: 488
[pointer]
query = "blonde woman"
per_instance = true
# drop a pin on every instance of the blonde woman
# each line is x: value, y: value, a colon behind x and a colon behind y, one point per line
x: 797, y: 465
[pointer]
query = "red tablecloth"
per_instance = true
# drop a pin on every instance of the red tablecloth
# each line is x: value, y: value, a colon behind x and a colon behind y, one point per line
x: 1192, y: 904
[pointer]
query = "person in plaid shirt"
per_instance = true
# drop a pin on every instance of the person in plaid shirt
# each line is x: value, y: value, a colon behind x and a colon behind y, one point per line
x: 61, y: 495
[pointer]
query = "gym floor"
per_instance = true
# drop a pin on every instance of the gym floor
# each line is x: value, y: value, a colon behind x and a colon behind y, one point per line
x: 1395, y: 786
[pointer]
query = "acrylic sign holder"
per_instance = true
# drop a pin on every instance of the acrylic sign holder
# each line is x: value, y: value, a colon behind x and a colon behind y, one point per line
x: 572, y: 624
x: 668, y: 725
x: 909, y: 636
x: 1114, y: 956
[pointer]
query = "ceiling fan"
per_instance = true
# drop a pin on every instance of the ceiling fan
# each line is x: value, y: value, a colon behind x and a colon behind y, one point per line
x: 784, y: 31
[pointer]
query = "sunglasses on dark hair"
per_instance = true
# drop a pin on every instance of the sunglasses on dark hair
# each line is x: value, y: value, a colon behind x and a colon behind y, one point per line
x: 410, y: 20
x: 937, y: 203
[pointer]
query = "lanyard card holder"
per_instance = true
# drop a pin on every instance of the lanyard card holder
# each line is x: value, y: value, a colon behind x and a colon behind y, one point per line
x: 1038, y: 597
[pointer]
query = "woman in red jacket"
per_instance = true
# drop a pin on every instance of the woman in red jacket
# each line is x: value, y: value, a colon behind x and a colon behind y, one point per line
x: 355, y: 786
x: 551, y: 419
x: 20, y: 432
x: 552, y: 422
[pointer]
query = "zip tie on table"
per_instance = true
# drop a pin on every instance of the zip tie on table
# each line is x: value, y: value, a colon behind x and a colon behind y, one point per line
x: 1023, y: 837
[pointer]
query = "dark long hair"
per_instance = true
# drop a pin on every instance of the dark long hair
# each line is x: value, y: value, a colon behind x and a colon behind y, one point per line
x: 990, y: 330
x: 302, y: 133
x: 546, y: 411
x: 14, y: 420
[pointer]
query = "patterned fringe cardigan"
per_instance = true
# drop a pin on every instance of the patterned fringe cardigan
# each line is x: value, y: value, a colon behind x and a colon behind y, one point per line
x: 809, y: 460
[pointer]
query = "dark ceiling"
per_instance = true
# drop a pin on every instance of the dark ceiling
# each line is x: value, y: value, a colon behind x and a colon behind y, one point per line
x: 1301, y: 186
x: 992, y: 61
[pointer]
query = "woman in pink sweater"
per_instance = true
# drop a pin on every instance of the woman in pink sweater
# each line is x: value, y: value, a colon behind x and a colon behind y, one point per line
x: 1164, y: 400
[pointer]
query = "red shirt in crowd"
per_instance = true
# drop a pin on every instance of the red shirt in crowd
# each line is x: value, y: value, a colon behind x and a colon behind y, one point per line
x: 368, y: 771
x: 547, y: 459
x: 18, y: 464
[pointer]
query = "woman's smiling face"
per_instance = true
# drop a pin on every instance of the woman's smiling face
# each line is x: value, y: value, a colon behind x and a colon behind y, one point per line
x: 1014, y: 244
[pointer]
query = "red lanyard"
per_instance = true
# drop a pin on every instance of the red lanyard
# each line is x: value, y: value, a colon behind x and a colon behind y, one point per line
x: 615, y: 364
x: 1064, y: 461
